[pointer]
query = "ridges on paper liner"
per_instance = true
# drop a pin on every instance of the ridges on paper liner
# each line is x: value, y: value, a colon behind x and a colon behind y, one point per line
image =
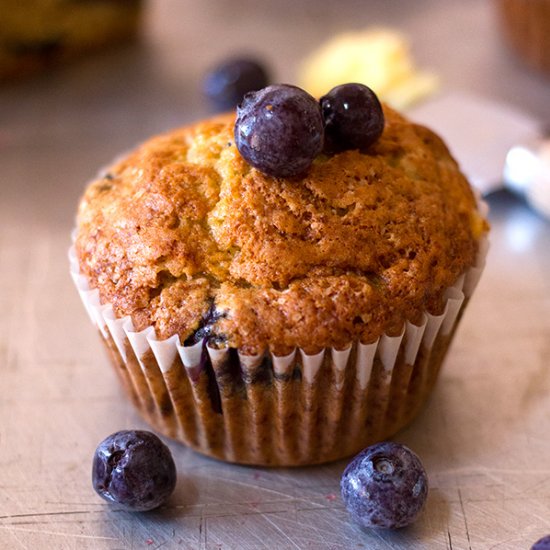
x: 122, y: 330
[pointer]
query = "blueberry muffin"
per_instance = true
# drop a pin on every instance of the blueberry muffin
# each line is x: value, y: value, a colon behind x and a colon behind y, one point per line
x: 38, y: 34
x: 279, y: 320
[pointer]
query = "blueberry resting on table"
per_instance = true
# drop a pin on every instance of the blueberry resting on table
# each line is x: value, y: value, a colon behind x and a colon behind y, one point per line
x: 384, y: 486
x: 542, y: 544
x: 226, y: 84
x: 134, y: 469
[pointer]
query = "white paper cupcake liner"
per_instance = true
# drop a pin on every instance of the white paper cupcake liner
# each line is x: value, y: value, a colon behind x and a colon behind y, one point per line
x: 272, y: 409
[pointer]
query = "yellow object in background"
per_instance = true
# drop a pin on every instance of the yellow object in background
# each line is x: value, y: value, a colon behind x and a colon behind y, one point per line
x: 378, y: 57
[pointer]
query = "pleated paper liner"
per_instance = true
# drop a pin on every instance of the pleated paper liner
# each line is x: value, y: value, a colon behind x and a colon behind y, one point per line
x: 280, y: 411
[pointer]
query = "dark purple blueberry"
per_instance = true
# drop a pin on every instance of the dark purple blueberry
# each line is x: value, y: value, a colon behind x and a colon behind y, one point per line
x: 353, y: 118
x: 542, y: 544
x: 226, y: 83
x: 206, y: 327
x: 134, y: 469
x: 279, y: 130
x: 385, y: 486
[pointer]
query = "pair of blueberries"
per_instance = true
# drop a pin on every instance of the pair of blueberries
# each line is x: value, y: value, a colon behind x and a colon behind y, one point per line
x: 384, y: 486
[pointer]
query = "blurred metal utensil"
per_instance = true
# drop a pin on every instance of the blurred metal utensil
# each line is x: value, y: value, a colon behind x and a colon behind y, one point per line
x: 496, y: 146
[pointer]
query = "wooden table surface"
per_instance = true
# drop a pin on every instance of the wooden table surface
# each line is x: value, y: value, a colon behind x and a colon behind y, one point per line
x: 483, y: 436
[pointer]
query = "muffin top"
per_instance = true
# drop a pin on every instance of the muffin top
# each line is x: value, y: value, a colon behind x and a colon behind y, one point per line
x: 185, y: 236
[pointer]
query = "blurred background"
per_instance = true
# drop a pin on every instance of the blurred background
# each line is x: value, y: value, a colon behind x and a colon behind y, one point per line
x: 63, y: 115
x: 83, y: 81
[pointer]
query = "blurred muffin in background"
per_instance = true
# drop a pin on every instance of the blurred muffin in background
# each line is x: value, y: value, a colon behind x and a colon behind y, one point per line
x: 525, y: 25
x: 38, y: 34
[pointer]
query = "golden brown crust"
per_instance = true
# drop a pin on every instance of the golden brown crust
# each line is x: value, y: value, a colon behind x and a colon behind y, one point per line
x: 357, y: 246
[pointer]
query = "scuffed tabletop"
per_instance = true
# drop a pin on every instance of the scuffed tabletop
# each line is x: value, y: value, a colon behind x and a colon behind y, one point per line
x: 483, y: 437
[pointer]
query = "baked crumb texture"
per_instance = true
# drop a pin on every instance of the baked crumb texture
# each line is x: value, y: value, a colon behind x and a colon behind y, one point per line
x: 355, y: 248
x: 329, y: 300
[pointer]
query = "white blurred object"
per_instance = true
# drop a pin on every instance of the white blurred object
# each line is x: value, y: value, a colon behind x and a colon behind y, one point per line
x: 527, y: 170
x: 496, y: 146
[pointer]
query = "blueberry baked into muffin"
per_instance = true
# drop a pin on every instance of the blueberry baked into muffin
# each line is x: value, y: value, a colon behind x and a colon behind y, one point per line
x: 278, y: 319
x: 38, y: 34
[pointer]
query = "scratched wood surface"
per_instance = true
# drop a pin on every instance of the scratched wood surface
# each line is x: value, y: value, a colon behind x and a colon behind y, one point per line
x: 483, y: 436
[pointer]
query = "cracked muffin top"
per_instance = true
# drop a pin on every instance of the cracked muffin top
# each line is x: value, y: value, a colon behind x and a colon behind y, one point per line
x: 185, y: 236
